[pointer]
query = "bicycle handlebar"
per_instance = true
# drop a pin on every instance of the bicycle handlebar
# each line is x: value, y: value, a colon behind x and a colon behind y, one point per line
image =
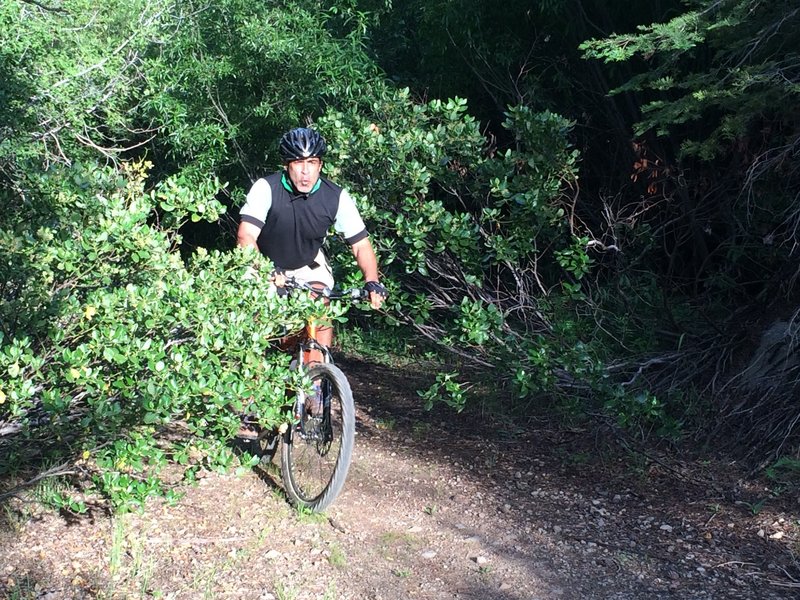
x: 354, y: 294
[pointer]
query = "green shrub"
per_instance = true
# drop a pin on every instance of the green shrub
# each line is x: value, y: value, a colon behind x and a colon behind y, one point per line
x: 109, y: 337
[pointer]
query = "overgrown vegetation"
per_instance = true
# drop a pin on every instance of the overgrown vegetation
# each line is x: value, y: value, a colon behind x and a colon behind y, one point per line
x: 620, y: 254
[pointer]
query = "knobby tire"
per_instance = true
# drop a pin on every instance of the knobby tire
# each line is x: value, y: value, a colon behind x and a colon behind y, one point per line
x: 314, y: 466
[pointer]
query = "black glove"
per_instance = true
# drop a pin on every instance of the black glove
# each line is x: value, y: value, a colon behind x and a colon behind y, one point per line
x: 374, y: 286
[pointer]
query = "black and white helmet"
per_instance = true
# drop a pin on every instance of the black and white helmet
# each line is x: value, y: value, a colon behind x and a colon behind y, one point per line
x: 301, y: 143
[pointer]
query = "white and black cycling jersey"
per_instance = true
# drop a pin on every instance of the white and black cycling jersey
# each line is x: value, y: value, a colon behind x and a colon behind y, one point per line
x: 294, y: 225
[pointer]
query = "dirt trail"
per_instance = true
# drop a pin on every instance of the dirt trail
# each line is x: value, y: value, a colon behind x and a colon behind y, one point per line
x: 436, y: 507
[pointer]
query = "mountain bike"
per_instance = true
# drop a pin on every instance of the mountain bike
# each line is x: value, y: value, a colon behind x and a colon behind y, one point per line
x: 317, y: 443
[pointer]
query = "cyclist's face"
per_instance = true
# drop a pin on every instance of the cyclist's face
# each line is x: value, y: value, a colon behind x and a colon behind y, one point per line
x: 304, y: 173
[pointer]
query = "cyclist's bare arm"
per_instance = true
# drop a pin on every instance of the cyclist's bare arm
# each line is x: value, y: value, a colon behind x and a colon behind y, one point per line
x: 247, y: 235
x: 368, y: 263
x: 246, y: 238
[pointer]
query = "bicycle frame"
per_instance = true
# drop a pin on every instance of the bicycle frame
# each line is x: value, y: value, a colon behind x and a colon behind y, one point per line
x: 310, y: 343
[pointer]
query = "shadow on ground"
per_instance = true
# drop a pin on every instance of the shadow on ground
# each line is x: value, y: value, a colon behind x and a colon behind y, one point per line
x: 574, y: 509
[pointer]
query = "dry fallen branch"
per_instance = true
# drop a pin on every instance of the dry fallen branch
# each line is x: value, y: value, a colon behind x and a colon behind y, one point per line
x: 61, y: 470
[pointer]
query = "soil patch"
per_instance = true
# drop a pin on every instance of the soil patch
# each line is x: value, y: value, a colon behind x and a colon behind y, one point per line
x: 437, y: 506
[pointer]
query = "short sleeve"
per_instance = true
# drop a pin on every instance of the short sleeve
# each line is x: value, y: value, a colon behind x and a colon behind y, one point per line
x: 258, y: 203
x: 348, y: 221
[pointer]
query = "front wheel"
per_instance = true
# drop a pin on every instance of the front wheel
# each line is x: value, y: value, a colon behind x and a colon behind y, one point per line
x: 316, y: 450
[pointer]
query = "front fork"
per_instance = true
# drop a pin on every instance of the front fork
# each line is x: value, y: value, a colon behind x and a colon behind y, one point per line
x: 301, y: 363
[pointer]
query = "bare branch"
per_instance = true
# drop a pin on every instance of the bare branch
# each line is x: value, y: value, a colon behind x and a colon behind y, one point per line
x: 43, y: 6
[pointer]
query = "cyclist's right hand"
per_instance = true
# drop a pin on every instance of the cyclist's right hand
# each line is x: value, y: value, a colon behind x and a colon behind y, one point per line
x: 278, y: 279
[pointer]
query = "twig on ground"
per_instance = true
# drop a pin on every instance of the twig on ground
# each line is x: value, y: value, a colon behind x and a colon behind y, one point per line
x: 57, y: 471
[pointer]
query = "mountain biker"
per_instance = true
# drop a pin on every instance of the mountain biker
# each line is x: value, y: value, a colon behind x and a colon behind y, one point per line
x: 288, y: 215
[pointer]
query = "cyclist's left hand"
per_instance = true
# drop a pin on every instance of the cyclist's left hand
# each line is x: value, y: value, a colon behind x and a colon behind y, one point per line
x: 377, y: 293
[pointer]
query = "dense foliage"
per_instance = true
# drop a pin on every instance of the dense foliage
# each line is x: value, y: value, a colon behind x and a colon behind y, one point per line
x: 719, y: 136
x: 108, y: 336
x: 603, y: 253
